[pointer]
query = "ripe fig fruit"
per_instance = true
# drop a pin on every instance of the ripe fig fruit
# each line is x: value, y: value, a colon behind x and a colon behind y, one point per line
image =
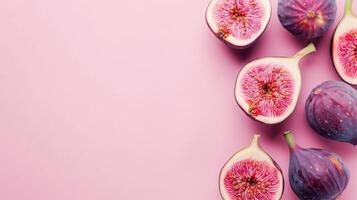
x: 308, y: 19
x: 331, y: 110
x: 267, y: 89
x: 315, y: 173
x: 238, y: 23
x: 344, y: 46
x: 251, y: 174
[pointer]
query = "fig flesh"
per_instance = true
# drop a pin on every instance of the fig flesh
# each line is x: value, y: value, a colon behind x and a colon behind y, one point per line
x: 267, y: 89
x: 315, y: 173
x: 331, y: 110
x: 238, y: 23
x: 344, y: 46
x: 307, y: 19
x: 251, y: 174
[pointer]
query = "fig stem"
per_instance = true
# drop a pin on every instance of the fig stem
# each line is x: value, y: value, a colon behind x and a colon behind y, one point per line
x: 289, y: 137
x: 305, y: 51
x: 255, y: 140
x: 348, y: 7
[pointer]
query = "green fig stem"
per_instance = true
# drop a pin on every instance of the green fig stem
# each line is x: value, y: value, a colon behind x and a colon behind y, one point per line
x: 255, y: 140
x: 289, y: 137
x: 348, y: 7
x: 305, y: 51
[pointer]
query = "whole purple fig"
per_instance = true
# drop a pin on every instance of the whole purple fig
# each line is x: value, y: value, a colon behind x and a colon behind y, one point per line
x: 331, y: 110
x: 315, y: 174
x: 308, y: 19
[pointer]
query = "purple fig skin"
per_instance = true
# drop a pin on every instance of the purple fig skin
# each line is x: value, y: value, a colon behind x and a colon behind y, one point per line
x: 331, y: 110
x: 307, y: 19
x: 316, y: 174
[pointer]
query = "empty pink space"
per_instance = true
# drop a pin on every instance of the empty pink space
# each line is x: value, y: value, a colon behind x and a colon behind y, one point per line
x: 108, y: 100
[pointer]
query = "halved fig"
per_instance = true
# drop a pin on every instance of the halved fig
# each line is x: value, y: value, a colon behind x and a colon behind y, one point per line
x: 267, y: 89
x: 251, y: 174
x: 238, y: 22
x: 344, y: 46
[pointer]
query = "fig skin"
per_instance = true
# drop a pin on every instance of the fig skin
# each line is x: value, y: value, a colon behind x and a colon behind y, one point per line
x: 316, y: 174
x: 307, y: 19
x: 331, y: 110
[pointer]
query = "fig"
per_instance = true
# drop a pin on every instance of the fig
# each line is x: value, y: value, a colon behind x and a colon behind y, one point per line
x: 238, y: 23
x: 344, y: 46
x: 331, y: 110
x: 267, y: 89
x: 308, y: 19
x: 315, y: 174
x: 251, y: 174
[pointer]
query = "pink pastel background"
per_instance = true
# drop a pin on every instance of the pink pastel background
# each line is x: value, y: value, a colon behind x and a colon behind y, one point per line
x: 108, y: 100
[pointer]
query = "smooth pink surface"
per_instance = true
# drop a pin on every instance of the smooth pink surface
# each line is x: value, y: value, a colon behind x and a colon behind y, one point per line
x: 133, y: 100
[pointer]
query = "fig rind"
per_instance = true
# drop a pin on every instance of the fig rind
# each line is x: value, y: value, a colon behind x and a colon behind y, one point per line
x: 331, y: 110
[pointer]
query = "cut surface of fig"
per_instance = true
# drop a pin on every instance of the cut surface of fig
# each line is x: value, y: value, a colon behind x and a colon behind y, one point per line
x: 267, y: 89
x: 308, y: 19
x: 315, y: 173
x: 238, y: 22
x: 251, y: 174
x: 344, y: 46
x: 331, y: 110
